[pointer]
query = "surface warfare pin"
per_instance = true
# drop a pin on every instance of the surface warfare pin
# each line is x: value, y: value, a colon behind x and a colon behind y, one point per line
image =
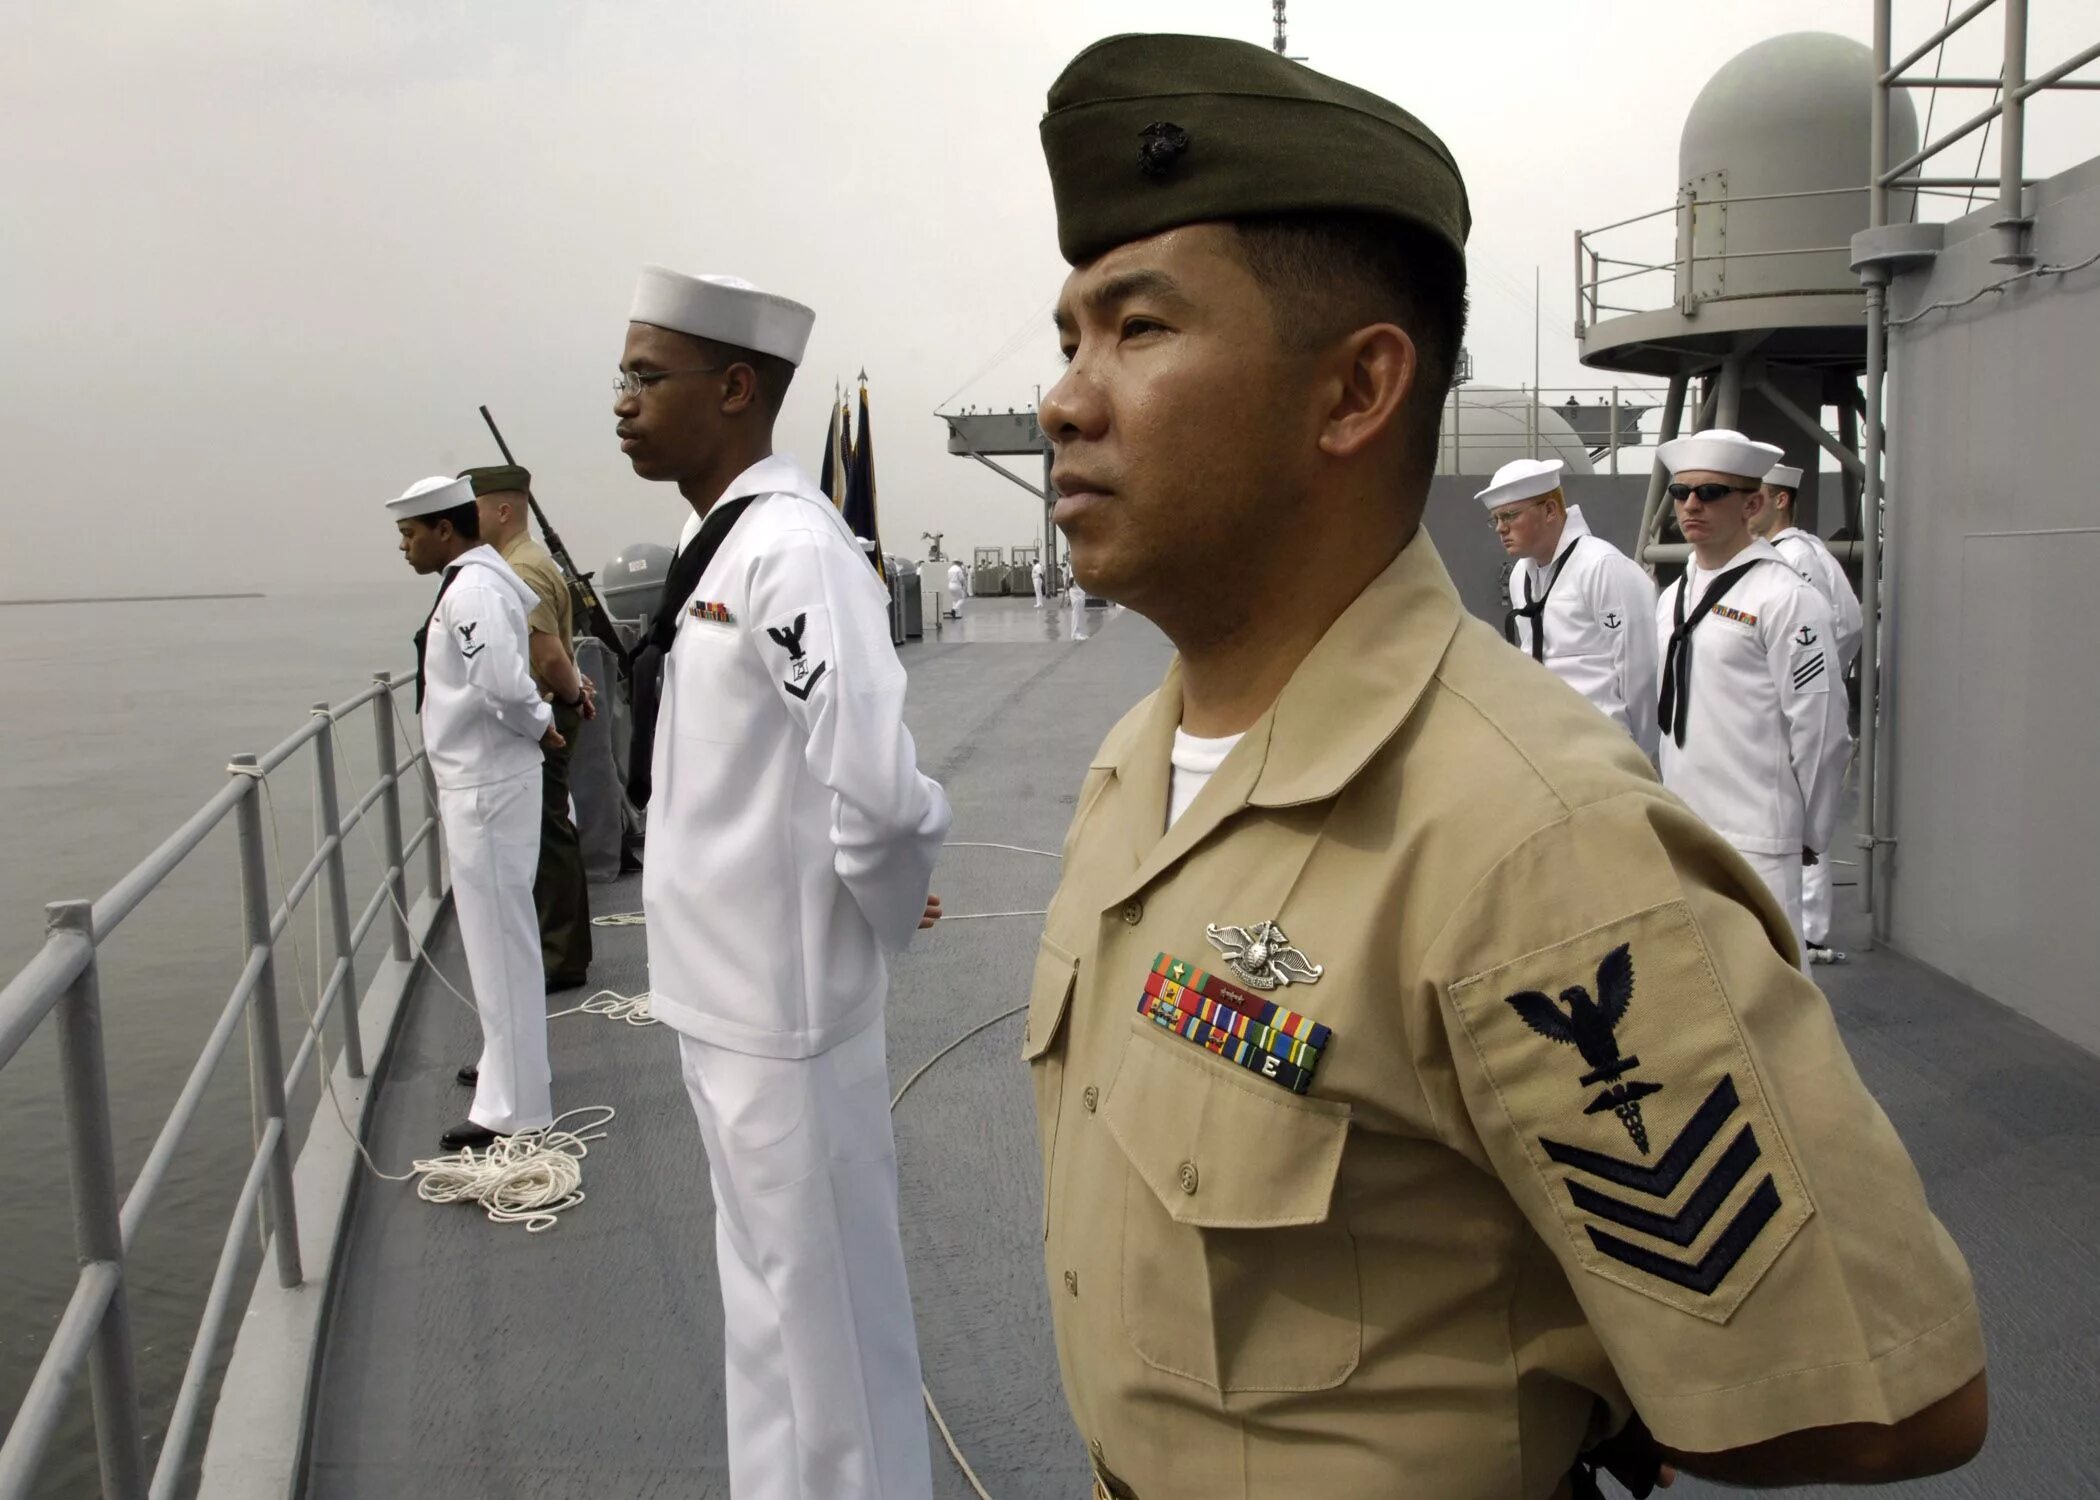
x: 1588, y: 1026
x: 1263, y: 956
x: 802, y: 678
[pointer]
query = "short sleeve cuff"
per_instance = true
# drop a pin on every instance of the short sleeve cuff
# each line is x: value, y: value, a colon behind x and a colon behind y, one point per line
x: 1883, y: 1390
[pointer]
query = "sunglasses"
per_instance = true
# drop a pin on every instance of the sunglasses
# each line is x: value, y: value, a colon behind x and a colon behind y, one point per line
x: 1707, y: 494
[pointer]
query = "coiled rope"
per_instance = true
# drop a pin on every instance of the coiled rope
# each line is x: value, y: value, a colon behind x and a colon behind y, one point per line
x: 532, y: 1177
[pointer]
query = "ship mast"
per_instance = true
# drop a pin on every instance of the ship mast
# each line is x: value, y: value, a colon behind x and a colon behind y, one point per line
x: 1281, y: 41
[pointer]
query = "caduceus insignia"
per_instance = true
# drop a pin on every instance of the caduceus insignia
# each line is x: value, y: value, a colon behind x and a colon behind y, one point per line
x: 1588, y: 1025
x: 1263, y: 956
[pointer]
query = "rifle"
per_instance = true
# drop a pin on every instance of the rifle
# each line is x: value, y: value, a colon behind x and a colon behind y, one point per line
x: 590, y: 610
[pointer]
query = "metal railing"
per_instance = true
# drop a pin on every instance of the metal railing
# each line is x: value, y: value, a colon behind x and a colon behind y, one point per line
x: 1502, y: 418
x: 1591, y: 277
x: 63, y: 977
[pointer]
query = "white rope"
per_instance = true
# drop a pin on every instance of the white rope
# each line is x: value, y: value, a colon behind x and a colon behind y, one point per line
x: 619, y: 919
x: 932, y: 1409
x: 1013, y: 848
x: 614, y: 1006
x: 529, y: 1178
x: 985, y: 916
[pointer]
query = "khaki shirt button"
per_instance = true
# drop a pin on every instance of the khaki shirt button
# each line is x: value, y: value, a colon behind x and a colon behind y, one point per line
x: 1188, y: 1177
x: 1133, y: 913
x: 1092, y: 1098
x: 1072, y: 1282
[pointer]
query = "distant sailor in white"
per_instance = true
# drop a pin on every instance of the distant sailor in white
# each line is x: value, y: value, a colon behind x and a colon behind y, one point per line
x: 483, y: 725
x: 791, y: 843
x: 1579, y: 605
x: 1806, y: 554
x: 1035, y: 578
x: 958, y: 589
x: 1752, y: 719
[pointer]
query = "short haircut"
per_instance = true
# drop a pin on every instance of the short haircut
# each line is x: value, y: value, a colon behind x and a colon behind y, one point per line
x: 1328, y: 274
x: 465, y: 519
x: 773, y: 372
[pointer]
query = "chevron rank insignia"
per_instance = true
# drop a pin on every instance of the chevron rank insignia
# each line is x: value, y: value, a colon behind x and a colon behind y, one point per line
x: 1668, y: 1174
x: 803, y: 673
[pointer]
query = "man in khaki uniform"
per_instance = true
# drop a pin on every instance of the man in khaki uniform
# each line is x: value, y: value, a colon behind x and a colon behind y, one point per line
x: 1427, y: 1104
x: 560, y: 889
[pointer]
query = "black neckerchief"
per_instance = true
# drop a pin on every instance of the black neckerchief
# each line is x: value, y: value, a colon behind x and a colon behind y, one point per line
x: 423, y: 635
x: 687, y: 567
x: 654, y: 648
x: 1534, y: 610
x: 1675, y: 706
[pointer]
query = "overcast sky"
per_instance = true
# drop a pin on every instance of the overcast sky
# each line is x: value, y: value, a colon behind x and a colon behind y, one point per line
x: 259, y: 262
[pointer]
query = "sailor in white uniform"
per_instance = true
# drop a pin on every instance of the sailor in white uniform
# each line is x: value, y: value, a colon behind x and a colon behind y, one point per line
x: 791, y: 844
x: 958, y: 589
x: 1035, y: 578
x: 1579, y: 606
x: 483, y: 724
x: 1806, y: 554
x: 1752, y: 719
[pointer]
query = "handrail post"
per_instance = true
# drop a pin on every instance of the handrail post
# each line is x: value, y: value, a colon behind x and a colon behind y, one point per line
x: 433, y: 855
x: 1651, y: 506
x: 338, y: 891
x: 2012, y: 142
x: 1615, y: 431
x: 265, y: 1051
x: 390, y: 813
x: 112, y: 1373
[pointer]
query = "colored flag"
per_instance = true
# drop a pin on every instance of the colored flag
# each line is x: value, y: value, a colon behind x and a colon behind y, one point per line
x: 859, y: 508
x: 842, y: 462
x: 827, y: 472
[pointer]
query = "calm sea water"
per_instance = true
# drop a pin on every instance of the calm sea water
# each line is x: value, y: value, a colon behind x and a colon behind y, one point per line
x: 121, y: 719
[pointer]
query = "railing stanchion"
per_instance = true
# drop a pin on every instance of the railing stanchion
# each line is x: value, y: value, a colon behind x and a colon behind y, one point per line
x: 390, y: 813
x: 112, y: 1373
x: 265, y: 1051
x: 338, y: 894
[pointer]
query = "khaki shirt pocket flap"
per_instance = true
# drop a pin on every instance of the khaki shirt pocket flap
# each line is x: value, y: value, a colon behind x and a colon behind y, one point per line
x: 1222, y: 1151
x: 1049, y: 994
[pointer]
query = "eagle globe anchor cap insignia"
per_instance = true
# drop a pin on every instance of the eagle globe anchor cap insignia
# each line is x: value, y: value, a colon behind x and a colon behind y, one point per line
x: 1588, y: 1025
x: 1262, y: 955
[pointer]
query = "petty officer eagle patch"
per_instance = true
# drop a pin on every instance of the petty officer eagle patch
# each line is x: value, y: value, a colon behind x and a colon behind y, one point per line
x: 1618, y: 1088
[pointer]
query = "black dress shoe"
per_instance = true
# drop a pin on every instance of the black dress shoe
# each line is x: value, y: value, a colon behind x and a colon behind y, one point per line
x: 469, y: 1076
x: 467, y: 1133
x: 556, y: 983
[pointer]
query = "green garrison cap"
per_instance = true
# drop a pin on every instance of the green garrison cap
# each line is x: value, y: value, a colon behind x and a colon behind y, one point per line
x: 1147, y: 132
x: 497, y: 479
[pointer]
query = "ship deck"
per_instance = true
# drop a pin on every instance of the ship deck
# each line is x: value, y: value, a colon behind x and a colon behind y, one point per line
x: 466, y: 1360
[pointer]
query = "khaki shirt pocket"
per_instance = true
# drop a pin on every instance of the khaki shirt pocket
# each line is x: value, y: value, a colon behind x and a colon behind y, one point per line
x: 1236, y: 1271
x: 1049, y: 997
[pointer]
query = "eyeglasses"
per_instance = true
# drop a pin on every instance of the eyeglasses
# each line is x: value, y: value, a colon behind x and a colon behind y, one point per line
x: 634, y: 382
x: 1501, y: 518
x: 1707, y: 494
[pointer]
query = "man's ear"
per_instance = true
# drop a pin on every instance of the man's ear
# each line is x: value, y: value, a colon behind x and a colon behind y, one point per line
x: 1376, y: 370
x: 739, y: 389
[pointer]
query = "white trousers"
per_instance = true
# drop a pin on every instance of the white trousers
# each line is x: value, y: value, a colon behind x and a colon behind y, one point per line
x: 493, y: 833
x: 1781, y: 873
x: 822, y: 1357
x: 1815, y: 903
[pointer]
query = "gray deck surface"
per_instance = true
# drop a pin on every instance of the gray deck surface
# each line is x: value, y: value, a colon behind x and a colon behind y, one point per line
x: 470, y: 1361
